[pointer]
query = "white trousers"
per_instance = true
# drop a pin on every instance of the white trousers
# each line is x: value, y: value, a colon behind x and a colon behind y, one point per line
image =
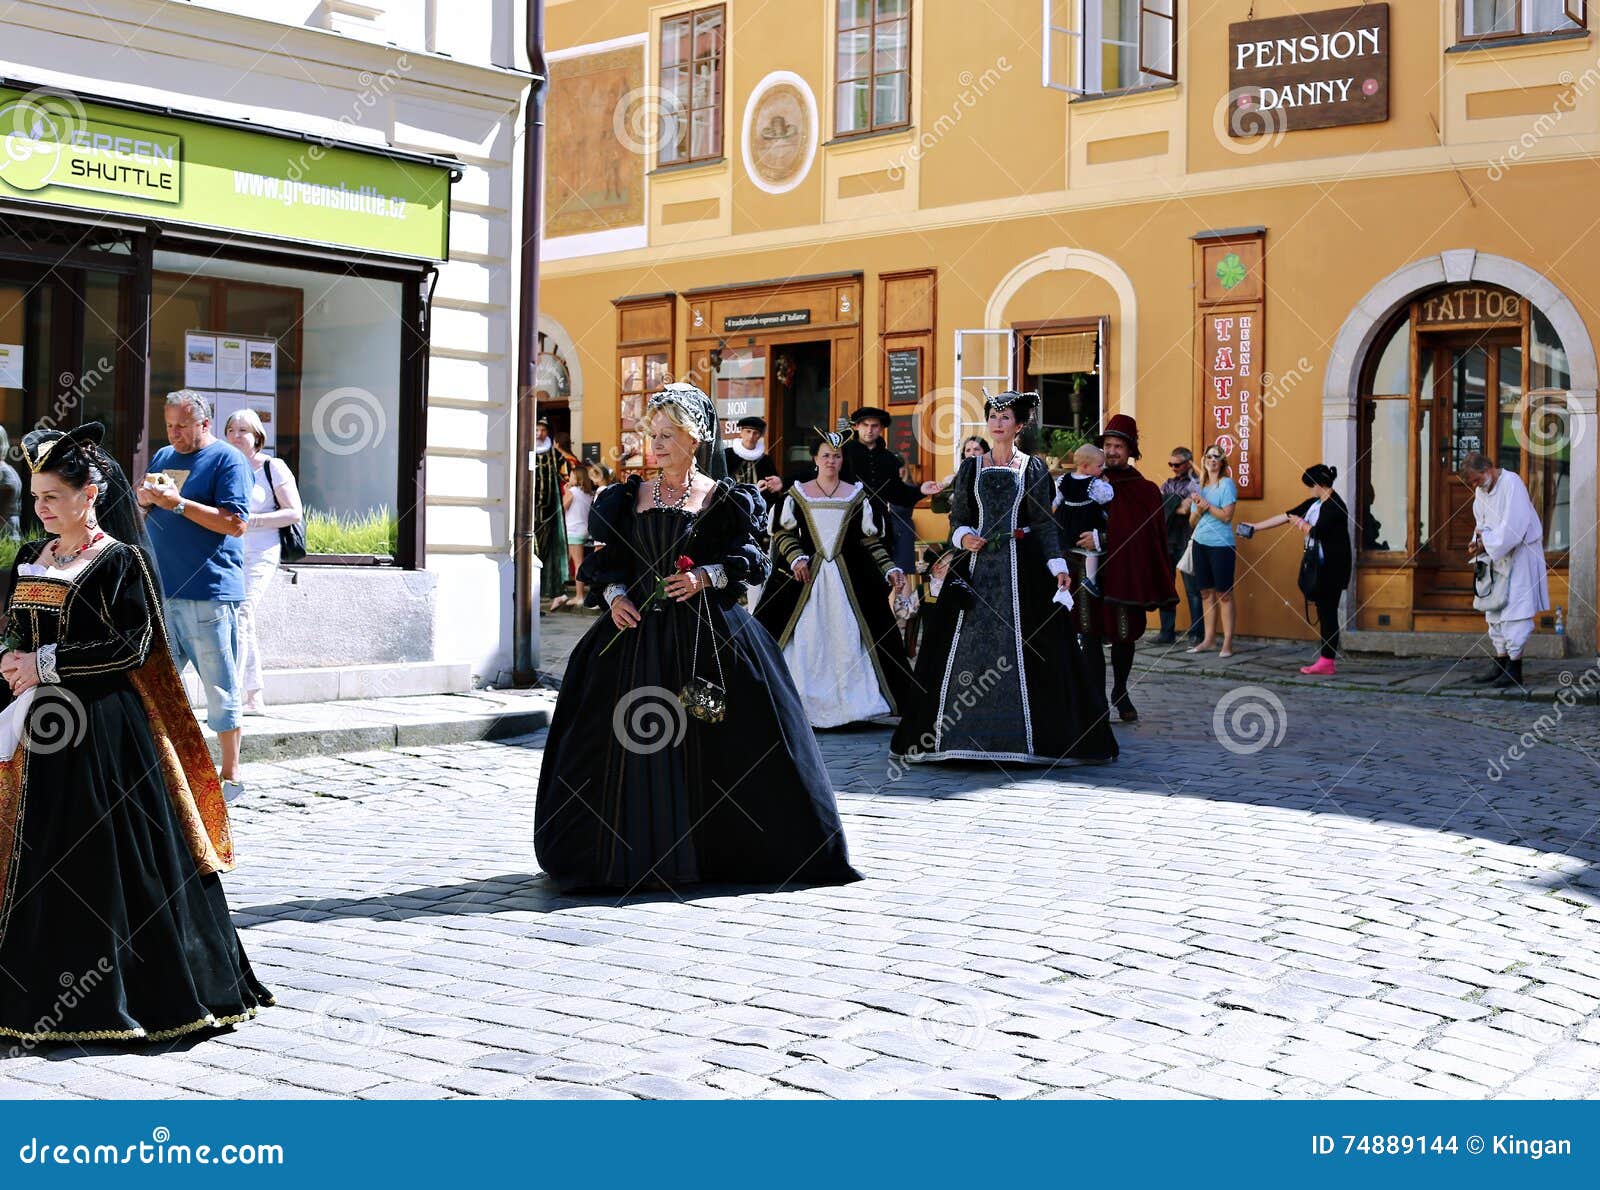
x: 1510, y: 636
x: 258, y: 574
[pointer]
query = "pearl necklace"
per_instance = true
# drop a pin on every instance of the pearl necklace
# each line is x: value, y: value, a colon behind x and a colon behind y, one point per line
x: 682, y: 501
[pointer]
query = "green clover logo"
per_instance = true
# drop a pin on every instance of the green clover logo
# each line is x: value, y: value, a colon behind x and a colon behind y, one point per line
x: 31, y: 138
x: 1230, y: 271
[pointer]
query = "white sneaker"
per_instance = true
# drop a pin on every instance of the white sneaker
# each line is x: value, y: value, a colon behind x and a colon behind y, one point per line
x: 232, y: 791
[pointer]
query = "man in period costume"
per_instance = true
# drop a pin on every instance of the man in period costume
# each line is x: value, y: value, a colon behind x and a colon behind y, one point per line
x: 550, y: 472
x: 869, y: 461
x: 1135, y: 573
x: 1510, y: 537
x: 749, y: 462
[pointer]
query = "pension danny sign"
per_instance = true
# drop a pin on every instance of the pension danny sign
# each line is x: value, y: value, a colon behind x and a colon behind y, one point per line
x: 58, y: 149
x: 1313, y: 70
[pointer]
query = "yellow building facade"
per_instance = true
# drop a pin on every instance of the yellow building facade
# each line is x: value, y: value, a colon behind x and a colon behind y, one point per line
x: 1360, y: 236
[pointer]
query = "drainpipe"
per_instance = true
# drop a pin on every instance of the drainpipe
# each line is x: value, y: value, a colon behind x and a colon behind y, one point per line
x: 525, y: 562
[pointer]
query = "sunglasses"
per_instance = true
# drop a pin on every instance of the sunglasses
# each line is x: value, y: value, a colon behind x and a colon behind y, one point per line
x: 1215, y: 458
x: 1175, y: 466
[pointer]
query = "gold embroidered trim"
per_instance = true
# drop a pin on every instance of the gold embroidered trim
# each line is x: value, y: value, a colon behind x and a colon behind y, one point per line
x: 42, y: 594
x: 206, y: 1022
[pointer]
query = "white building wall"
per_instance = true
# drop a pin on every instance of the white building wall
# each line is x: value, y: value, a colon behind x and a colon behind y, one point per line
x: 446, y: 77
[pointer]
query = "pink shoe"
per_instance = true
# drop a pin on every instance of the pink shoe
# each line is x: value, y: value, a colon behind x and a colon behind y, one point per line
x: 1321, y: 667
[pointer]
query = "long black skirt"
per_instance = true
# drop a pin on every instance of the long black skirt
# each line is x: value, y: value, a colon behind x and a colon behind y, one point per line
x: 1000, y: 675
x: 110, y: 931
x: 635, y: 793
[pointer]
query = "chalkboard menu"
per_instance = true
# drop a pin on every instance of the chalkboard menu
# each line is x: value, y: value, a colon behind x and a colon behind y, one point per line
x: 905, y: 376
x: 591, y: 452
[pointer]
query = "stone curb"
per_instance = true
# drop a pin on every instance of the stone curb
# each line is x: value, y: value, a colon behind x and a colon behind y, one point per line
x: 270, y: 745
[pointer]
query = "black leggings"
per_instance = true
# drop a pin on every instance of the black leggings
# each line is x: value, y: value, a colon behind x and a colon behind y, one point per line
x: 1328, y: 622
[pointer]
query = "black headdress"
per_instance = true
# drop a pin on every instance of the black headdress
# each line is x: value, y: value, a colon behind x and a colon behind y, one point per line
x: 1021, y: 404
x: 700, y: 414
x: 78, y: 457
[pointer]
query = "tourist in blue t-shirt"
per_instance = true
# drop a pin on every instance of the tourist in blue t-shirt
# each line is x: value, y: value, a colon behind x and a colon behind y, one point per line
x: 197, y: 502
x: 1214, y: 550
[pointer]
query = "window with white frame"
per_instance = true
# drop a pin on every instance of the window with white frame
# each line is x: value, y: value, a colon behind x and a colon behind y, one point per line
x: 1093, y: 47
x: 1489, y: 19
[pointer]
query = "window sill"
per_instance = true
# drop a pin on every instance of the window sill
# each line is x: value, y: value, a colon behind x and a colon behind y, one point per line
x: 1531, y: 45
x: 1131, y: 96
x: 709, y: 165
x: 855, y: 138
x: 364, y: 560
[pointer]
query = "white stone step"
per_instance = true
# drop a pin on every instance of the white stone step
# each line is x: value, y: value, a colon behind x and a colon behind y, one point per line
x: 286, y: 687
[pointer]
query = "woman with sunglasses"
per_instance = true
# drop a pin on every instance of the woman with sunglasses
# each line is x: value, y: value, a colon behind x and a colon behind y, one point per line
x: 1214, y: 550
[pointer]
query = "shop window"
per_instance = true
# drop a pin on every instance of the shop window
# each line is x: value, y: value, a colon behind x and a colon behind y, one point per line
x: 690, y: 79
x: 318, y: 357
x: 1095, y: 47
x: 1386, y: 476
x: 1484, y: 20
x: 1392, y: 375
x: 872, y: 72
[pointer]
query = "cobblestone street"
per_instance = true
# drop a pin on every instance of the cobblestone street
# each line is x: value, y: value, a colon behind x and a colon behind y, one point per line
x: 1381, y: 900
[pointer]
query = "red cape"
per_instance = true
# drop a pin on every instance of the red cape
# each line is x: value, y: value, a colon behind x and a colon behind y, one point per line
x: 1136, y: 570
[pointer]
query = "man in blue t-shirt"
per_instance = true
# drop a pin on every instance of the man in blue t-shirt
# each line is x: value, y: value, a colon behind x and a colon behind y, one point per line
x: 197, y: 502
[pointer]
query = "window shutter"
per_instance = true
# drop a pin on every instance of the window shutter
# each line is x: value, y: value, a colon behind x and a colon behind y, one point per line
x: 1158, y: 38
x: 1578, y: 12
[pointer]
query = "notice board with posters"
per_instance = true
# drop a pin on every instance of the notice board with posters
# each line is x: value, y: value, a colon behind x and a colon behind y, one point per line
x: 1230, y: 305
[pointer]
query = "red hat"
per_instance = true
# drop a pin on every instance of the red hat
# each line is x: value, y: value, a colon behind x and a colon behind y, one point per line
x: 1124, y: 427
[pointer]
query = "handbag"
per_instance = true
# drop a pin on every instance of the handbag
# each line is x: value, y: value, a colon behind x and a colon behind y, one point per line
x: 702, y: 698
x: 1491, y: 584
x: 1186, y: 563
x: 291, y: 538
x: 1310, y: 580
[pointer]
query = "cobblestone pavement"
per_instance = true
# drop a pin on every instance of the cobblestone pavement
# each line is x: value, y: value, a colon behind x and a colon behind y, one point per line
x: 1383, y: 900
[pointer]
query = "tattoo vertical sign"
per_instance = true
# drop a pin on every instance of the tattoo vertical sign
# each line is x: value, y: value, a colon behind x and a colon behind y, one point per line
x: 1230, y: 303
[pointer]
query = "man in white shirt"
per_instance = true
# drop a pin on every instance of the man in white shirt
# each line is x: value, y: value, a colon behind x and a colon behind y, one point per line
x: 1510, y: 536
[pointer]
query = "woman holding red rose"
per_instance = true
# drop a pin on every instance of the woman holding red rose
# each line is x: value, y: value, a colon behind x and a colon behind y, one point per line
x: 679, y: 752
x: 999, y: 673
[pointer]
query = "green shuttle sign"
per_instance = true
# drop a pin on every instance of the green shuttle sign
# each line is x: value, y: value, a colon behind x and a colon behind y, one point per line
x: 57, y: 149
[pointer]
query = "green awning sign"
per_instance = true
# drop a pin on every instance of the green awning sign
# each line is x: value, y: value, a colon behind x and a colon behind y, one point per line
x: 55, y: 148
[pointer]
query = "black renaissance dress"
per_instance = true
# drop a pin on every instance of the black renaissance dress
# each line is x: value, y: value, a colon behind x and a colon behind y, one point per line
x: 550, y: 519
x: 636, y: 793
x: 113, y: 922
x: 999, y: 665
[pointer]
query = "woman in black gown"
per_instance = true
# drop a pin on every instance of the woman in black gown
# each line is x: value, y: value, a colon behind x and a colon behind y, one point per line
x: 679, y: 751
x: 113, y: 922
x: 999, y: 673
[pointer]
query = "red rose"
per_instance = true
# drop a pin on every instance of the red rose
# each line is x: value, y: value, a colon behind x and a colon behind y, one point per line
x: 684, y: 563
x: 1019, y: 534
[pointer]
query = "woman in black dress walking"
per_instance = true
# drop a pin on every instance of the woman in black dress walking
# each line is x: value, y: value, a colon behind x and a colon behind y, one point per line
x: 679, y: 751
x: 113, y: 922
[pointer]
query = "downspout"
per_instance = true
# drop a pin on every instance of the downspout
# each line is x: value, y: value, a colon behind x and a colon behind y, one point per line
x: 525, y: 562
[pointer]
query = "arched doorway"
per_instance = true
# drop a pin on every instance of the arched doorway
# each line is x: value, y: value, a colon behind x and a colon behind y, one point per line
x: 1461, y: 354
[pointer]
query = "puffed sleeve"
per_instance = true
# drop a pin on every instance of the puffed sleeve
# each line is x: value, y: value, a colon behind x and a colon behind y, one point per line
x: 609, y: 521
x: 107, y: 624
x: 741, y: 558
x: 790, y: 541
x: 963, y: 502
x: 1035, y: 514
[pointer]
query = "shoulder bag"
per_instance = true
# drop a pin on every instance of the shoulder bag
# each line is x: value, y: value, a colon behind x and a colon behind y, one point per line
x: 291, y: 538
